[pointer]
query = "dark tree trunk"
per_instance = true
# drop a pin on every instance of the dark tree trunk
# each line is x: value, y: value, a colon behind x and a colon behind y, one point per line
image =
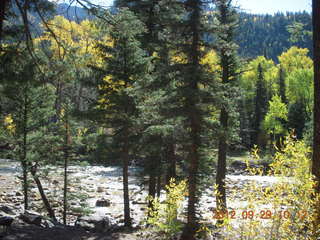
x: 24, y: 160
x: 152, y: 185
x: 222, y: 162
x: 271, y: 146
x: 316, y: 136
x: 66, y: 160
x: 171, y: 160
x: 228, y: 65
x: 222, y: 148
x: 278, y: 141
x: 58, y: 96
x: 282, y: 86
x: 43, y: 195
x: 192, y: 224
x: 194, y: 120
x: 159, y: 184
x: 79, y: 105
x: 126, y: 200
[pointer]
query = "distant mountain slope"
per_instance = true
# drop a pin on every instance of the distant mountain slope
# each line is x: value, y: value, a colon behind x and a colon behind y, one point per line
x: 258, y: 34
x: 268, y: 35
x: 73, y: 13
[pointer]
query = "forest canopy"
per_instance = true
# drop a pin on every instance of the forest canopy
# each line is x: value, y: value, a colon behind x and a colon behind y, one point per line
x: 183, y: 97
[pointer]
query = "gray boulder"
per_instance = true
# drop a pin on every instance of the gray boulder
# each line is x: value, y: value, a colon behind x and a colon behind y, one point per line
x: 238, y: 165
x: 103, y: 203
x: 31, y: 217
x: 7, y: 210
x: 96, y: 223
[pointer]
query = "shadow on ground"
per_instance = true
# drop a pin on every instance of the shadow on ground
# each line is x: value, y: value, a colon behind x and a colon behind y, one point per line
x: 62, y: 233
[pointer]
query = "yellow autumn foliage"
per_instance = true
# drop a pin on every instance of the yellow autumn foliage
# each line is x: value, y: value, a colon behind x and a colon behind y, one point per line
x: 81, y: 39
x: 9, y: 123
x: 283, y: 209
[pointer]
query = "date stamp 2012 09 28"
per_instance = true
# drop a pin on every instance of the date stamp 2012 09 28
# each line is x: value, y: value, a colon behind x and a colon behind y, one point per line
x: 261, y: 214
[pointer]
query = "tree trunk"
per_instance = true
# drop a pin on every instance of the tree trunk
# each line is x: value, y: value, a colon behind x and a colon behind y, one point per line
x: 43, y: 195
x: 194, y: 118
x: 126, y: 201
x: 66, y: 159
x: 171, y: 159
x: 159, y: 184
x: 192, y: 221
x: 222, y: 161
x: 271, y: 146
x: 282, y: 86
x: 58, y: 95
x: 24, y: 160
x: 152, y: 186
x: 79, y: 99
x: 228, y: 64
x: 316, y: 136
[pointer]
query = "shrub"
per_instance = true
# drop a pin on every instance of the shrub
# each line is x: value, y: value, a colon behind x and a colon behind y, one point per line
x: 164, y: 215
x: 283, y: 210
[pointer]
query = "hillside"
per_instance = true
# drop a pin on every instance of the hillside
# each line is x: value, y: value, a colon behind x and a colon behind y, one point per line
x: 268, y: 35
x: 257, y: 35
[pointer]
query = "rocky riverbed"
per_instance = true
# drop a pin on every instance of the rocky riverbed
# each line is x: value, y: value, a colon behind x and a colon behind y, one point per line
x: 99, y: 189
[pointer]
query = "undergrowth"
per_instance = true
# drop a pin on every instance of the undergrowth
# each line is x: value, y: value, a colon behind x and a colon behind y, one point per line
x: 281, y: 211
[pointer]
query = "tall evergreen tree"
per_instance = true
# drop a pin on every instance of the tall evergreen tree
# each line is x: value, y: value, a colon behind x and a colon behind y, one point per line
x: 146, y: 12
x: 297, y: 118
x: 192, y: 94
x: 157, y: 132
x: 125, y: 63
x: 261, y: 103
x: 226, y: 48
x: 18, y: 92
x: 30, y: 107
x: 42, y: 139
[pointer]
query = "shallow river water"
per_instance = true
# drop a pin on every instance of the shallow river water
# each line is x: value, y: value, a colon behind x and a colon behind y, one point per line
x: 105, y: 183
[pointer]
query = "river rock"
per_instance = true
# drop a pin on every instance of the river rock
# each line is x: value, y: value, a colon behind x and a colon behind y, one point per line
x: 48, y: 224
x: 6, y: 221
x: 31, y: 217
x: 238, y: 165
x: 55, y: 182
x: 94, y: 222
x: 103, y: 203
x: 19, y: 194
x: 7, y: 210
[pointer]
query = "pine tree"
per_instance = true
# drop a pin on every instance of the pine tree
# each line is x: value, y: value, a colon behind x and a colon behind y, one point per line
x: 42, y: 139
x: 191, y: 95
x: 125, y: 63
x: 226, y: 48
x: 17, y: 91
x: 297, y: 118
x: 260, y: 106
x: 157, y: 131
x: 30, y: 108
x: 146, y: 12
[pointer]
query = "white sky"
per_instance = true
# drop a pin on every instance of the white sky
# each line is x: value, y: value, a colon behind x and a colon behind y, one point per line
x: 273, y: 6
